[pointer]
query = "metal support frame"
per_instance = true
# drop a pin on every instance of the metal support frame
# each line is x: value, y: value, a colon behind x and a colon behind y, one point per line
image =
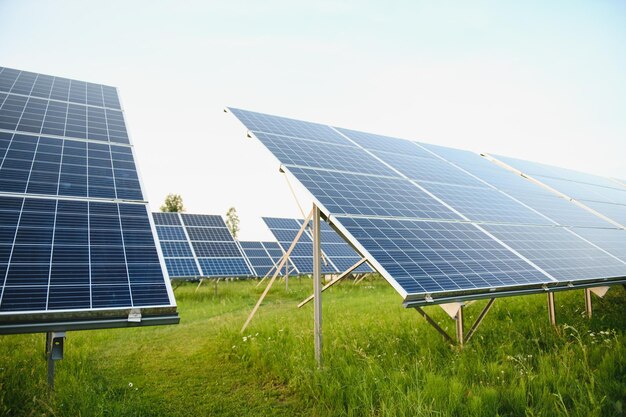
x: 461, y: 336
x: 588, y: 304
x: 317, y: 286
x: 334, y: 281
x: 551, y: 310
x: 459, y: 326
x: 284, y: 259
x: 54, y: 352
x: 199, y: 283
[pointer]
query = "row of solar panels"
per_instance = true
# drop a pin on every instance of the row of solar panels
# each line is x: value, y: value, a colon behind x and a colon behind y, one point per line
x: 78, y: 243
x: 197, y: 245
x: 439, y: 222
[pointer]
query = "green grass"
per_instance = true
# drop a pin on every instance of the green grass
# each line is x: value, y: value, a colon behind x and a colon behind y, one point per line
x: 380, y: 360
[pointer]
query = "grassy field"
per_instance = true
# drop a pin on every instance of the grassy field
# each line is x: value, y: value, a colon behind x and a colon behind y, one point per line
x: 380, y: 360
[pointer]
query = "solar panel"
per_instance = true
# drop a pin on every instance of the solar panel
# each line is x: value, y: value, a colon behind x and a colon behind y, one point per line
x: 338, y: 255
x: 557, y: 209
x: 77, y: 248
x: 604, y: 195
x: 433, y: 228
x: 199, y: 246
x: 260, y: 260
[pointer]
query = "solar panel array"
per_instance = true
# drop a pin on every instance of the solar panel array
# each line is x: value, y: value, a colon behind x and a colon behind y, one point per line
x: 263, y: 257
x: 338, y: 256
x: 437, y: 222
x: 199, y: 245
x: 75, y: 231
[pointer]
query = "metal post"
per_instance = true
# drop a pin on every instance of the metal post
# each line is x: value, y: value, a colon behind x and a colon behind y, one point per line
x: 551, y: 311
x: 287, y: 276
x: 588, y: 306
x: 54, y: 352
x: 459, y: 326
x: 317, y: 285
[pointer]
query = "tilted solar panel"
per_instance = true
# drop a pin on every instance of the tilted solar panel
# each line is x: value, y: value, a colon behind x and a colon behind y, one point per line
x: 605, y: 196
x: 77, y: 247
x: 260, y: 260
x: 199, y: 246
x: 435, y: 222
x: 338, y: 256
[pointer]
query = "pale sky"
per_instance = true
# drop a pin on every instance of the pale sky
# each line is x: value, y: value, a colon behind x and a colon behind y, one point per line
x: 544, y: 81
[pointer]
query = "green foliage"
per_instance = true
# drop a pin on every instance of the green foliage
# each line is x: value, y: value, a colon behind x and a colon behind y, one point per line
x: 380, y: 359
x: 232, y: 221
x: 173, y: 204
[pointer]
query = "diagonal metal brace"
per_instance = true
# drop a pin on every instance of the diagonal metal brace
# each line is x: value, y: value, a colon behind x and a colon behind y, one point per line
x: 333, y: 282
x: 479, y: 320
x: 278, y: 268
x: 434, y: 324
x: 461, y: 338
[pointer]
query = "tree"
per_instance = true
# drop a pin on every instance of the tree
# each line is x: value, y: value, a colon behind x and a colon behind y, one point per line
x: 173, y: 204
x: 232, y: 221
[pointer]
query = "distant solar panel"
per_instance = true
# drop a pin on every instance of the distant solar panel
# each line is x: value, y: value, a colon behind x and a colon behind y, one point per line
x: 77, y: 248
x: 433, y: 228
x: 338, y: 255
x: 259, y: 258
x: 197, y: 246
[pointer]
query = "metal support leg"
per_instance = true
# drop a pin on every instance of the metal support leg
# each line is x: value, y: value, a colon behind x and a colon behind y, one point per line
x: 216, y: 281
x: 54, y: 352
x: 588, y: 306
x: 199, y: 283
x: 317, y: 285
x: 551, y: 311
x: 459, y: 326
x: 287, y: 276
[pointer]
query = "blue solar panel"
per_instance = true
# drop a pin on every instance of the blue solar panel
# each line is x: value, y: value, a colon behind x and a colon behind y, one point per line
x: 62, y: 167
x: 39, y: 116
x: 301, y: 152
x: 337, y: 254
x: 384, y: 143
x: 485, y: 204
x: 259, y: 258
x: 538, y: 198
x: 260, y: 122
x: 604, y: 195
x: 429, y: 257
x: 616, y: 212
x: 406, y: 223
x: 285, y: 231
x: 199, y: 245
x: 345, y: 193
x: 549, y: 171
x: 75, y: 233
x: 57, y: 88
x: 611, y: 240
x: 556, y: 251
x: 428, y: 169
